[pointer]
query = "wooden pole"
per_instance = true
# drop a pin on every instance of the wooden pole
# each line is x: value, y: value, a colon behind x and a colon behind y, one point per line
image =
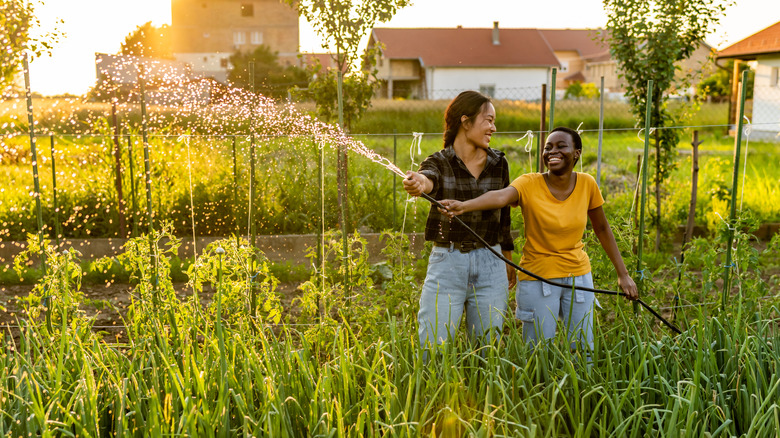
x: 688, y: 235
x: 118, y: 168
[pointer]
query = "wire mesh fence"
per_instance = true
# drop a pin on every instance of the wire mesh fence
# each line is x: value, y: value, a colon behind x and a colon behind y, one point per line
x: 202, y: 183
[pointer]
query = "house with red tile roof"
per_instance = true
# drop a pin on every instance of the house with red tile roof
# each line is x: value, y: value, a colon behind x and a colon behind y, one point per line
x: 437, y: 63
x: 762, y: 51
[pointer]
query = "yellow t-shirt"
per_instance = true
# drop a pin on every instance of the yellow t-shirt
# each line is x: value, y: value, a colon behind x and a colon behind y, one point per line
x: 553, y: 229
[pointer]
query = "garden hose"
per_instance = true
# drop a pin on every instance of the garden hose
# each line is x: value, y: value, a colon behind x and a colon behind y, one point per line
x: 544, y: 280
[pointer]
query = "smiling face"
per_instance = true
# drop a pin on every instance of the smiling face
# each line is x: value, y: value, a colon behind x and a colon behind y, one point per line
x: 560, y: 154
x: 480, y: 129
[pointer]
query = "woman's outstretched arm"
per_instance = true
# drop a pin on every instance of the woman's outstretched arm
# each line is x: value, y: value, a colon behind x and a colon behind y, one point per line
x: 491, y: 200
x: 603, y: 231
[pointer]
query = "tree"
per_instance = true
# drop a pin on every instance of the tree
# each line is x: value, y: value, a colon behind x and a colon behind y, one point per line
x: 271, y: 79
x: 342, y: 24
x: 17, y: 20
x: 148, y: 41
x: 579, y: 90
x: 648, y: 38
x: 717, y: 86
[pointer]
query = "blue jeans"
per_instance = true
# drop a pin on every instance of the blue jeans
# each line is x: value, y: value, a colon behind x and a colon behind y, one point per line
x: 539, y: 305
x: 476, y: 280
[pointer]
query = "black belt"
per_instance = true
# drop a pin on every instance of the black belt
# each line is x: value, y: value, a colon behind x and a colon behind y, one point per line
x: 464, y: 246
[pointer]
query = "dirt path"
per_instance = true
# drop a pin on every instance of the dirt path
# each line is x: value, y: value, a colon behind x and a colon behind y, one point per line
x: 108, y: 303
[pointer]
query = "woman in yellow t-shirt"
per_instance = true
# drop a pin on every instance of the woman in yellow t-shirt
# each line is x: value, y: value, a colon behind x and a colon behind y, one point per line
x: 556, y: 206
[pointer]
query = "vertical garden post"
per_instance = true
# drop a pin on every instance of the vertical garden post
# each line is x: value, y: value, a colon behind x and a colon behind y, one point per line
x: 36, y: 182
x: 542, y: 121
x: 34, y: 152
x: 118, y: 165
x: 252, y: 198
x: 252, y: 156
x: 342, y: 169
x: 643, y: 194
x: 235, y: 192
x: 552, y: 98
x: 132, y: 183
x: 733, y: 214
x: 147, y: 171
x: 321, y: 231
x: 395, y: 180
x: 57, y: 228
x: 601, y: 132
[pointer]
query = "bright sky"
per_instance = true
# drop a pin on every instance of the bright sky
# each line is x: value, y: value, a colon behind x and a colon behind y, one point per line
x: 100, y: 26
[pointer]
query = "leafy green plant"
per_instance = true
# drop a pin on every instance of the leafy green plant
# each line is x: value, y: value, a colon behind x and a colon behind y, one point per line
x: 244, y: 282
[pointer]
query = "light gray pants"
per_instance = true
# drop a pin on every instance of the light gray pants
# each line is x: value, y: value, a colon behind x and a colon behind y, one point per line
x: 539, y: 305
x: 475, y: 280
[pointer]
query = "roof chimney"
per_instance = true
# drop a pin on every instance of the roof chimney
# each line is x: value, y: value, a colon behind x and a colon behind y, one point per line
x: 495, y: 33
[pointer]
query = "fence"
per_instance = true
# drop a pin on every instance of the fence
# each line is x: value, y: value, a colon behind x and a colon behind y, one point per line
x: 202, y: 183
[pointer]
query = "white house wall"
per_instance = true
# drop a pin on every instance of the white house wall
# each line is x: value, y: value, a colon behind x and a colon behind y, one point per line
x: 766, y: 99
x: 506, y: 83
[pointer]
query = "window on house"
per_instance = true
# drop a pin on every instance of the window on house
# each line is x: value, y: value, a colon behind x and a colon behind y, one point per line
x: 223, y: 62
x: 564, y: 66
x: 256, y: 37
x: 774, y: 77
x: 247, y: 10
x: 239, y: 38
x: 488, y: 90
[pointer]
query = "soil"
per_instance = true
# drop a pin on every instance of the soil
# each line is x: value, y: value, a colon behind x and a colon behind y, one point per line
x: 108, y: 303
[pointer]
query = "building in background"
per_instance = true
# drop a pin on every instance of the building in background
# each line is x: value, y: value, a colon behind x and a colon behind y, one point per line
x: 762, y: 51
x: 435, y: 63
x: 167, y: 82
x: 204, y: 33
x: 438, y: 63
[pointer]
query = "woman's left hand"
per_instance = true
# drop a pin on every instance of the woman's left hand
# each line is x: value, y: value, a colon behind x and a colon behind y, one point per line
x: 628, y: 286
x: 454, y: 207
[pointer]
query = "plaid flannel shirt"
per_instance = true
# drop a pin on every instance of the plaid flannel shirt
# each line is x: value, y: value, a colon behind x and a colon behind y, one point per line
x: 452, y: 180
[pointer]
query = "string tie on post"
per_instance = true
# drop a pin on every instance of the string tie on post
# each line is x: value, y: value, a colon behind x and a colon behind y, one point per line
x: 730, y: 228
x: 416, y: 140
x: 641, y: 273
x: 528, y: 147
x: 529, y: 143
x: 747, y: 130
x: 639, y: 134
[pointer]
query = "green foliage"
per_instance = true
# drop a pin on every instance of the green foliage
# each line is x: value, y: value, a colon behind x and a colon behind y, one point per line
x: 357, y: 90
x: 246, y: 289
x: 18, y: 28
x: 270, y: 79
x: 579, y: 90
x: 198, y: 368
x: 647, y: 39
x: 148, y: 41
x: 342, y: 24
x: 372, y: 292
x: 717, y: 86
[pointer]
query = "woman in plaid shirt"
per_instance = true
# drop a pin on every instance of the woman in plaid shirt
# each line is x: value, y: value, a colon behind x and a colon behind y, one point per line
x: 461, y: 271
